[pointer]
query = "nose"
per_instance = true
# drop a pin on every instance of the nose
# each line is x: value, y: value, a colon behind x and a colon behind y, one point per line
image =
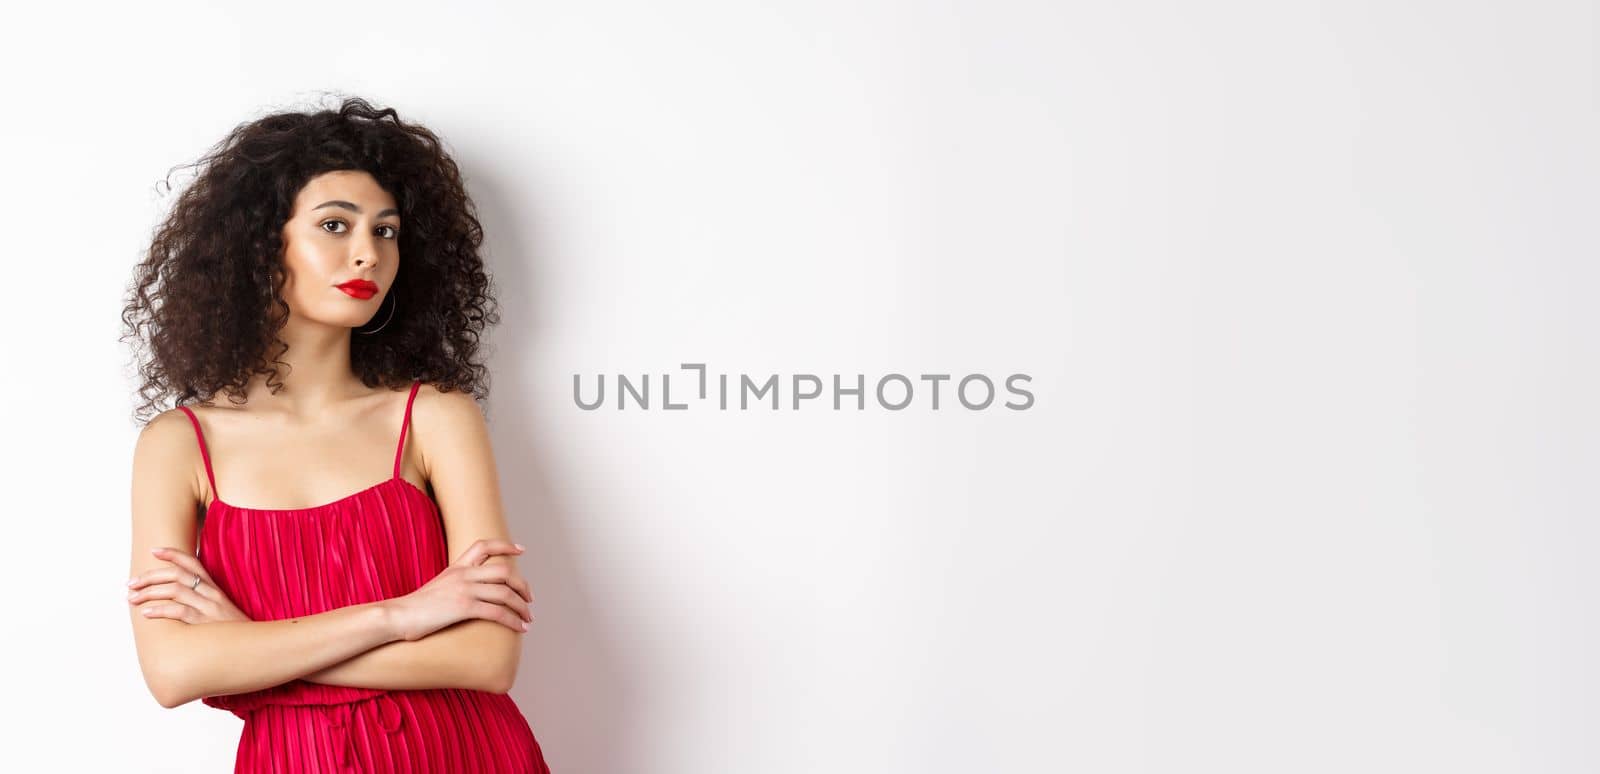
x: 364, y: 251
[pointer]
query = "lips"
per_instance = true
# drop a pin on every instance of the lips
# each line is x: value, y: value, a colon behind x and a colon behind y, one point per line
x: 359, y: 288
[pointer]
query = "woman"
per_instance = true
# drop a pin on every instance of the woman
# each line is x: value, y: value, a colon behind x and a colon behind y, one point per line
x: 322, y: 272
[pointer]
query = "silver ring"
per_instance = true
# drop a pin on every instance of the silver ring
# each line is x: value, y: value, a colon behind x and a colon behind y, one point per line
x: 196, y: 583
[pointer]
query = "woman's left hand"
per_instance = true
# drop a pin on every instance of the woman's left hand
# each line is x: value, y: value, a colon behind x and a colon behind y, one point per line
x: 175, y: 583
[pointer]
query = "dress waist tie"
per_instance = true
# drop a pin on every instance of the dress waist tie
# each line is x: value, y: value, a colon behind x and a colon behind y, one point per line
x: 340, y: 716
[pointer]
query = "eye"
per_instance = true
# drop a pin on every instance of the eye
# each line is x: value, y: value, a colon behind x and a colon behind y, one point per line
x: 326, y: 223
x: 393, y: 232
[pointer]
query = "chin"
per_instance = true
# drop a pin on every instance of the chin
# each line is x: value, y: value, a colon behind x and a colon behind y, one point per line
x: 337, y: 321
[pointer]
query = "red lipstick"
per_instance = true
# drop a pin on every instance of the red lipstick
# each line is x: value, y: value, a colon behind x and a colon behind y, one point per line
x: 359, y: 288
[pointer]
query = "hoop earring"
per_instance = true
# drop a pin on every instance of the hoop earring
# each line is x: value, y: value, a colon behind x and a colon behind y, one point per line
x: 391, y: 315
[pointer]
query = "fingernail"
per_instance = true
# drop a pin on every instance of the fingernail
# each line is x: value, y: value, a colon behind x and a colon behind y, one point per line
x: 131, y: 581
x: 519, y: 546
x: 132, y: 594
x: 156, y: 550
x: 524, y: 625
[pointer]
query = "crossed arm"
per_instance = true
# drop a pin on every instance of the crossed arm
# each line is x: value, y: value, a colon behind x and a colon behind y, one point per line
x: 359, y: 645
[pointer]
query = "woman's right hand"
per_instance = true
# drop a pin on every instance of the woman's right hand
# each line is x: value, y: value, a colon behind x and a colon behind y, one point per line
x: 466, y: 589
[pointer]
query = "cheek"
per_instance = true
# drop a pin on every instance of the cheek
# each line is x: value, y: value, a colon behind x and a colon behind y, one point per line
x: 309, y: 266
x: 307, y: 276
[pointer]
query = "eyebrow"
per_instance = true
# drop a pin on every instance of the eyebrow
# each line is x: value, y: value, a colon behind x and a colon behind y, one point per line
x: 353, y: 208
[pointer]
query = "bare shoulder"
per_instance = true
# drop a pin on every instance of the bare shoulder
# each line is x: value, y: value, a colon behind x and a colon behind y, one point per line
x: 166, y: 456
x: 168, y: 435
x: 446, y: 423
x: 458, y: 458
x: 445, y: 412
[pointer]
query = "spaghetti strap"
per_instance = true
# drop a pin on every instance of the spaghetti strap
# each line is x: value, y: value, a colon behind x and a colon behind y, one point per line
x: 204, y: 454
x: 400, y: 448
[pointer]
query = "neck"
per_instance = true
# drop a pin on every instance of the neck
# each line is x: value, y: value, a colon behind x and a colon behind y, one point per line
x: 318, y: 373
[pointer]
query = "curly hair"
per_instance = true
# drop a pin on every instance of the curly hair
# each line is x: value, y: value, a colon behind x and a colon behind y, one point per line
x: 206, y: 300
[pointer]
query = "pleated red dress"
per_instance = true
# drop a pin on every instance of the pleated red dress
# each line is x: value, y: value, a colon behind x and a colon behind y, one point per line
x: 384, y: 541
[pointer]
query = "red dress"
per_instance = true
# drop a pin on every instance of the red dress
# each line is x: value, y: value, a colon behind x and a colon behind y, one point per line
x: 384, y: 541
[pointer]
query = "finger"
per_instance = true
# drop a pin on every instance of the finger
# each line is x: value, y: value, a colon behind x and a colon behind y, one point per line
x: 175, y: 569
x: 176, y: 578
x: 520, y: 586
x: 499, y: 614
x: 162, y: 574
x: 171, y: 610
x: 185, y: 560
x: 482, y: 549
x: 501, y: 594
x: 501, y: 573
x: 167, y: 574
x: 180, y: 593
x: 158, y: 591
x: 498, y: 572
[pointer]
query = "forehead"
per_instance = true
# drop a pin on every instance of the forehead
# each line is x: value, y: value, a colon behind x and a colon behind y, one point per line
x: 354, y: 186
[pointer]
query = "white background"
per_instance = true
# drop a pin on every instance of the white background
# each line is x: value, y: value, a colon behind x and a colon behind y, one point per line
x: 1307, y: 292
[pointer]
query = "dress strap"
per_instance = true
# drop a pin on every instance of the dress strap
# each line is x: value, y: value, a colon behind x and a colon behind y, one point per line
x: 400, y: 449
x: 204, y: 454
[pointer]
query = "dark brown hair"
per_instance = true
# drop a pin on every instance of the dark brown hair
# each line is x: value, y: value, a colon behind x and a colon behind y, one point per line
x: 206, y: 300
